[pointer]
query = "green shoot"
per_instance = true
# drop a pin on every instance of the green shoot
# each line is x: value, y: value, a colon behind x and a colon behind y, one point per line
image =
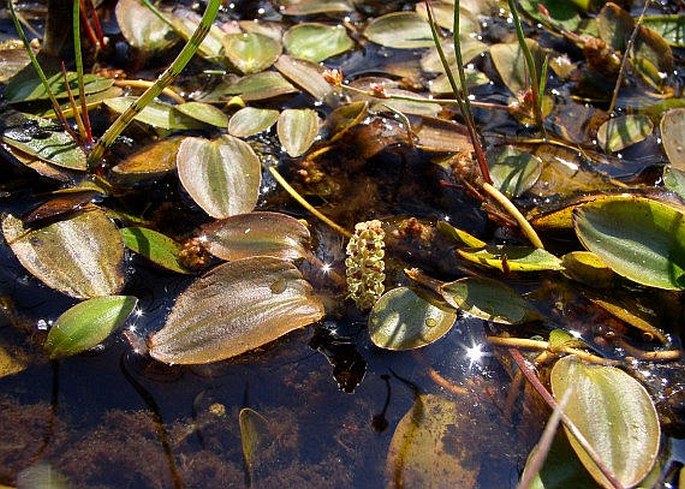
x: 169, y: 75
x: 83, y: 122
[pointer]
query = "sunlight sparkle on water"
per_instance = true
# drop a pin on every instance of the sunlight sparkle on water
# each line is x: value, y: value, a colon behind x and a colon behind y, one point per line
x: 326, y: 268
x: 474, y: 353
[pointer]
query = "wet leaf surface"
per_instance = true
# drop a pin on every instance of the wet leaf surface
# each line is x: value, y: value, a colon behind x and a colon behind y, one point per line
x: 23, y: 89
x: 151, y: 162
x: 401, y: 30
x: 87, y: 324
x: 82, y: 256
x: 204, y: 113
x: 235, y: 308
x: 251, y: 52
x: 143, y: 29
x: 316, y: 42
x: 157, y: 114
x: 620, y: 132
x: 672, y: 128
x: 616, y: 415
x: 405, y: 318
x: 249, y: 121
x: 512, y: 258
x: 222, y: 176
x: 297, y: 130
x: 156, y: 247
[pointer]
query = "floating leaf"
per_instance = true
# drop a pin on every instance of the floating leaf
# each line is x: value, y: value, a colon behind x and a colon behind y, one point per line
x: 13, y: 59
x: 459, y: 235
x: 260, y: 86
x: 560, y: 13
x: 672, y: 129
x: 513, y: 258
x: 640, y: 239
x: 311, y: 7
x: 587, y: 268
x: 28, y: 88
x: 87, y: 324
x: 428, y: 448
x: 614, y: 413
x: 400, y: 30
x: 156, y: 247
x: 257, y: 234
x: 511, y: 65
x: 304, y: 74
x: 154, y: 161
x: 222, y: 176
x: 142, y: 28
x: 513, y: 171
x: 186, y: 22
x: 345, y: 117
x: 406, y: 318
x: 41, y: 139
x: 251, y: 52
x: 297, y: 130
x: 670, y: 27
x: 157, y: 114
x: 623, y: 131
x: 489, y: 300
x: 249, y: 121
x: 82, y: 256
x: 61, y: 204
x: 204, y: 113
x: 440, y: 135
x: 674, y: 180
x: 235, y: 308
x: 316, y: 42
x: 636, y: 311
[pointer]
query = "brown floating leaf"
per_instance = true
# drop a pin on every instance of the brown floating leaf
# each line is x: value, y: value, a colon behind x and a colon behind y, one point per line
x: 222, y: 176
x: 82, y: 257
x: 235, y: 308
x: 305, y: 74
x: 142, y: 28
x: 257, y: 234
x: 297, y: 130
x: 151, y: 162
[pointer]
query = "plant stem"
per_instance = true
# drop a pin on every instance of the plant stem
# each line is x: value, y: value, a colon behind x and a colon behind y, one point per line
x: 533, y: 379
x: 525, y: 226
x: 295, y: 195
x: 544, y: 346
x: 84, y: 124
x: 169, y: 75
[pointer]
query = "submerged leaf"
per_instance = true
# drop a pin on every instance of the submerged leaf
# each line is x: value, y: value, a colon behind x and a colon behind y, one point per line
x: 316, y: 42
x: 514, y: 171
x: 222, y: 176
x: 257, y: 234
x: 672, y: 128
x: 87, y: 324
x: 254, y: 436
x: 427, y: 448
x: 156, y: 247
x: 235, y: 308
x: 297, y: 130
x: 260, y: 86
x: 401, y: 30
x: 406, y: 318
x: 489, y: 300
x: 511, y: 65
x: 640, y: 239
x: 623, y: 131
x: 82, y: 256
x: 615, y: 414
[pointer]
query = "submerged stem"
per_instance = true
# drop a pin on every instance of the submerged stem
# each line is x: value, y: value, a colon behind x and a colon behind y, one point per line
x: 523, y: 223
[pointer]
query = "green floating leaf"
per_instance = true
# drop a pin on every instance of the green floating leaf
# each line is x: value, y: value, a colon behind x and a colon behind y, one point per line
x: 204, y: 113
x: 257, y: 234
x: 26, y: 89
x: 513, y: 171
x: 297, y: 130
x: 674, y: 180
x: 587, y: 268
x: 251, y: 52
x: 142, y: 28
x: 406, y: 318
x: 41, y: 139
x: 87, y: 324
x: 562, y: 13
x: 82, y: 256
x: 640, y: 239
x: 249, y: 121
x: 305, y: 74
x: 623, y: 131
x: 151, y: 162
x: 511, y: 65
x: 186, y: 22
x: 672, y: 127
x: 513, y: 258
x: 670, y: 27
x: 460, y: 236
x: 235, y: 308
x: 316, y: 42
x: 400, y: 30
x: 259, y: 86
x: 428, y: 449
x: 489, y: 300
x: 222, y: 176
x: 156, y: 114
x: 614, y: 413
x: 311, y: 7
x: 156, y: 247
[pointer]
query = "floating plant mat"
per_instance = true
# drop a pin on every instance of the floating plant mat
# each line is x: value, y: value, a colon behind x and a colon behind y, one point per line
x: 271, y: 247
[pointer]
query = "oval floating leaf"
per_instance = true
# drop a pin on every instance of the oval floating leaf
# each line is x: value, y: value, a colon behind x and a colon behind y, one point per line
x: 251, y: 52
x: 316, y: 42
x: 511, y: 65
x: 514, y: 171
x: 27, y: 88
x: 400, y: 30
x: 260, y: 86
x: 87, y: 324
x: 614, y: 413
x: 204, y: 113
x: 587, y: 268
x: 156, y: 114
x: 406, y: 318
x: 142, y: 28
x: 151, y: 162
x: 297, y: 130
x: 304, y: 74
x: 222, y: 176
x: 672, y: 128
x: 513, y: 258
x: 428, y: 447
x: 82, y: 256
x: 489, y: 299
x: 640, y: 239
x: 623, y: 131
x: 235, y: 308
x: 257, y: 234
x: 249, y: 121
x: 156, y: 247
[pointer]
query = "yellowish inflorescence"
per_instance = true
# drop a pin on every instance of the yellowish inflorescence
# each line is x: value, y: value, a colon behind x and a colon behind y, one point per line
x: 364, y: 264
